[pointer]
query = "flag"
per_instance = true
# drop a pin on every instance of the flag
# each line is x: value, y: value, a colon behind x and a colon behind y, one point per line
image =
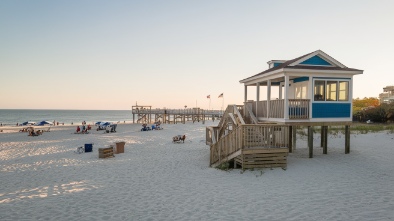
x: 209, y: 96
x: 221, y: 95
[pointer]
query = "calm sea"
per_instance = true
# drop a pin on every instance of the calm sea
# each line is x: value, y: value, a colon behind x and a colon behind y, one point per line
x: 11, y: 117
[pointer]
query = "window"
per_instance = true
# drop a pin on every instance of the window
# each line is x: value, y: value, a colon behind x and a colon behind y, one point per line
x: 319, y: 92
x: 300, y: 90
x: 331, y: 90
x: 343, y: 91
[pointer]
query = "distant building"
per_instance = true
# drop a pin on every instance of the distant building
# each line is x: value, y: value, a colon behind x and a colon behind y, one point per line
x: 387, y: 96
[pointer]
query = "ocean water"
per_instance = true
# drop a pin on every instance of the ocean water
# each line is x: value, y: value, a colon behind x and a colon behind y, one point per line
x: 13, y: 116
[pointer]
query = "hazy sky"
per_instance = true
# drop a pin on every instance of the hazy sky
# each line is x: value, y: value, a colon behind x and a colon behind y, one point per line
x: 111, y: 54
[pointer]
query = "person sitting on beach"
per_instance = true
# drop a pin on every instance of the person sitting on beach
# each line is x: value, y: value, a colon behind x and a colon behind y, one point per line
x: 89, y: 127
x: 32, y: 133
x: 154, y: 127
x: 78, y: 129
x: 145, y: 127
x: 158, y: 126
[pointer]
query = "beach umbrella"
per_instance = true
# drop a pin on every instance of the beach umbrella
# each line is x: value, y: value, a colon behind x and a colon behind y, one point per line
x: 104, y: 123
x: 28, y: 123
x: 44, y: 123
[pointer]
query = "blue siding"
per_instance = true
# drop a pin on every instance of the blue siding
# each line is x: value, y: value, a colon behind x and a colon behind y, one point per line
x: 276, y: 64
x: 316, y: 60
x: 300, y: 79
x: 330, y: 110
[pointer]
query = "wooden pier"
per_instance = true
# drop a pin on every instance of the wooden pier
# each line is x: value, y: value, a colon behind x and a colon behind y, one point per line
x: 146, y: 114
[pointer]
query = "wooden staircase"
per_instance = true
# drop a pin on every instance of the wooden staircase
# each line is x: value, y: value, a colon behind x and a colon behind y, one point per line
x: 250, y: 146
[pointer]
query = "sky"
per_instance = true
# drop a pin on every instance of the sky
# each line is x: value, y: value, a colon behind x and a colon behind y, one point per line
x: 110, y: 55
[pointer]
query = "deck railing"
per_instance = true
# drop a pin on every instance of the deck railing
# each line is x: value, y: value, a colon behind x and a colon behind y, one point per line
x: 298, y: 108
x: 248, y: 136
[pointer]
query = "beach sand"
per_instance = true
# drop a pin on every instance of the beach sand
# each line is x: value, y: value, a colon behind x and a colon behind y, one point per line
x: 41, y: 178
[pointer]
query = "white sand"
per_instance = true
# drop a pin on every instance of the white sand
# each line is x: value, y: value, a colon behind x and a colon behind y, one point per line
x: 41, y: 178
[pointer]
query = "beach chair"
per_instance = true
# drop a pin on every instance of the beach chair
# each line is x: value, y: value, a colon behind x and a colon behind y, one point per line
x: 179, y: 138
x: 79, y: 150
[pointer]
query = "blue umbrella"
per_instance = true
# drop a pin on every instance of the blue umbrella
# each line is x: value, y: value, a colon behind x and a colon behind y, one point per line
x: 44, y: 123
x: 28, y: 123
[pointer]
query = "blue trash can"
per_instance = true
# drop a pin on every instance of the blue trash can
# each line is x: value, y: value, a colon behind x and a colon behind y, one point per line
x: 88, y: 147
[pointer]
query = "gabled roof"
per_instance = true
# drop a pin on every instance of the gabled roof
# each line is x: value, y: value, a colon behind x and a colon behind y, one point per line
x: 317, y: 60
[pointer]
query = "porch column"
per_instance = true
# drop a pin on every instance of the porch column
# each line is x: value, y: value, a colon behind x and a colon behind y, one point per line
x: 280, y: 91
x: 286, y: 98
x: 245, y: 98
x: 268, y: 97
x: 257, y: 96
x: 245, y: 93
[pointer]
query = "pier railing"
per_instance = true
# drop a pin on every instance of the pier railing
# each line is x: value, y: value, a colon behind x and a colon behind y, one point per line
x: 177, y: 111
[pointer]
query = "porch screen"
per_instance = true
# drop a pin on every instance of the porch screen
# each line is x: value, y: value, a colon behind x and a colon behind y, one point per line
x: 319, y: 91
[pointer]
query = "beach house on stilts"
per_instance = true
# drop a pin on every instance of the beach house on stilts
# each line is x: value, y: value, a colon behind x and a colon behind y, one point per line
x: 314, y: 90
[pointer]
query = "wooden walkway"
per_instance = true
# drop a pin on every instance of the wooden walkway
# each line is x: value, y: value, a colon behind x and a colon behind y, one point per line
x: 145, y: 114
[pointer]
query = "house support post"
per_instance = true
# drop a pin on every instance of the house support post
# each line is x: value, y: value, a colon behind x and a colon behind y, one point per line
x: 324, y: 138
x: 347, y: 139
x: 310, y: 141
x: 290, y: 139
x: 321, y: 136
x: 294, y: 137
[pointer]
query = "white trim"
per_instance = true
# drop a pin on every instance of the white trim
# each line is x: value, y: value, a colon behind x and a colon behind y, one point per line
x: 300, y: 72
x: 258, y: 77
x: 323, y: 71
x: 311, y: 120
x: 323, y: 55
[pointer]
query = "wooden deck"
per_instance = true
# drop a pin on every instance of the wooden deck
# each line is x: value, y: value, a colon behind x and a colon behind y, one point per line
x: 262, y: 158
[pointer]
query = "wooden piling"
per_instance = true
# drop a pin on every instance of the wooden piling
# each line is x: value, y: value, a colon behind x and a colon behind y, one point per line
x: 324, y: 138
x: 290, y: 139
x: 310, y: 141
x: 347, y: 139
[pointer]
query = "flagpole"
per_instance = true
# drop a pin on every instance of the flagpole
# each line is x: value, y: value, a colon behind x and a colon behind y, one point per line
x: 222, y: 102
